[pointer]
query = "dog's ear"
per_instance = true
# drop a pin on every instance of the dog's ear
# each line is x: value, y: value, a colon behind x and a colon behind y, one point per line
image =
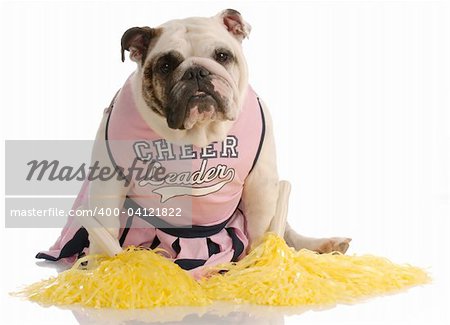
x: 234, y: 23
x: 137, y: 40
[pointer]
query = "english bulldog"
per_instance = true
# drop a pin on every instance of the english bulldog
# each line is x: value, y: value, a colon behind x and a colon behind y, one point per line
x: 206, y: 140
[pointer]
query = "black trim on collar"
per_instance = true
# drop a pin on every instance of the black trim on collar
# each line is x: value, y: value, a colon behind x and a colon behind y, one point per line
x: 263, y: 133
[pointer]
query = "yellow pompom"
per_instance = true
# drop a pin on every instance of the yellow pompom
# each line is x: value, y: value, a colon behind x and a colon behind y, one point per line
x: 272, y: 274
x: 275, y: 274
x: 135, y: 278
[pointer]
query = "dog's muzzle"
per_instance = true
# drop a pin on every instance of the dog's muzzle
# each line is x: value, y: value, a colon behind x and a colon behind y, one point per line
x: 194, y: 99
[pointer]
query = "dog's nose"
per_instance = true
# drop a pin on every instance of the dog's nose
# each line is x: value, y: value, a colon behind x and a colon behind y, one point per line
x: 195, y: 72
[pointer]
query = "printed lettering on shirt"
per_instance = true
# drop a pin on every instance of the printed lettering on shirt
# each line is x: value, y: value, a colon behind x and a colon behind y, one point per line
x: 168, y: 182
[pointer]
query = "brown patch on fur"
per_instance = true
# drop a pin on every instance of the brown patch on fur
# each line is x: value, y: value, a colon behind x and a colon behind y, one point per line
x: 155, y: 85
x: 148, y: 91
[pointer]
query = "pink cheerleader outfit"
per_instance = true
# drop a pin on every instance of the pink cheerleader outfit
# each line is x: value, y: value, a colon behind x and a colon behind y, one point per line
x: 201, y: 189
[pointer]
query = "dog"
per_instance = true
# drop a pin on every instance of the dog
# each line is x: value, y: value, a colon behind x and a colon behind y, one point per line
x: 188, y: 116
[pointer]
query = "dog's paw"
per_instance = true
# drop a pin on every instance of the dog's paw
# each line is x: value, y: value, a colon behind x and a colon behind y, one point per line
x: 334, y: 244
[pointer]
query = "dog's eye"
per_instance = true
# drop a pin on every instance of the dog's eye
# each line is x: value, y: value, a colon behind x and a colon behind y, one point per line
x: 165, y: 67
x: 168, y: 63
x: 222, y: 56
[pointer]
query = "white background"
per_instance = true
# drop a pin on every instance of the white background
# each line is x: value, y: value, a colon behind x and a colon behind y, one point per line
x: 359, y: 95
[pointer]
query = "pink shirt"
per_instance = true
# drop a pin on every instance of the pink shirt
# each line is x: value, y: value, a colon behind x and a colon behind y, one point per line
x: 208, y: 186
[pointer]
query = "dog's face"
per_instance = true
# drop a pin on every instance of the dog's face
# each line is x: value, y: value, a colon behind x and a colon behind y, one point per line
x: 193, y: 70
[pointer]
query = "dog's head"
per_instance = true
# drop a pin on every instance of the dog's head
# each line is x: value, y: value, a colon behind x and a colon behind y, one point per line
x: 193, y: 70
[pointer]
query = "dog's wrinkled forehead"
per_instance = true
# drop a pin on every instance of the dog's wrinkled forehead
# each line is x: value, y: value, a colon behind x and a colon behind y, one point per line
x: 190, y: 36
x: 193, y: 37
